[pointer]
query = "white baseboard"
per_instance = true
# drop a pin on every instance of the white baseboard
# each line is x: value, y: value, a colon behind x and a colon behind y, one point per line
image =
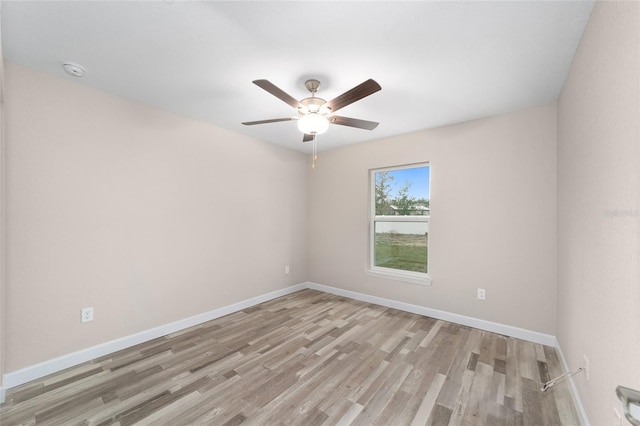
x: 572, y: 385
x: 27, y: 374
x: 507, y: 330
x: 34, y: 372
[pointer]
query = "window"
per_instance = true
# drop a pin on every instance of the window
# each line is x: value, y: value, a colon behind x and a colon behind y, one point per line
x: 399, y: 226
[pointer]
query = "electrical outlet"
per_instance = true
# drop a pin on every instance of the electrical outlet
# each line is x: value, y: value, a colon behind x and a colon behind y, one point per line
x: 86, y: 315
x: 587, y: 370
x: 481, y: 294
x: 286, y: 269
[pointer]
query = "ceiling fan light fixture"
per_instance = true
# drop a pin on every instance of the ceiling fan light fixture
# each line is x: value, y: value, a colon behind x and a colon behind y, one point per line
x: 314, y: 113
x: 313, y: 104
x: 313, y: 124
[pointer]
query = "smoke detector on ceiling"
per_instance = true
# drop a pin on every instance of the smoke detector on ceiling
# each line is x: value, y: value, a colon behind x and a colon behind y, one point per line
x: 73, y: 69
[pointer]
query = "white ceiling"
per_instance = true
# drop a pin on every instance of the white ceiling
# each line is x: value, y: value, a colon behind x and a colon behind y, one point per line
x: 438, y: 62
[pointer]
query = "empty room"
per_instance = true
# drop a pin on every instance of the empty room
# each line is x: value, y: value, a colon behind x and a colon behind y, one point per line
x: 320, y: 213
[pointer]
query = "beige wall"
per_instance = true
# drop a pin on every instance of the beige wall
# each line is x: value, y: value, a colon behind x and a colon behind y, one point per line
x: 2, y: 212
x: 144, y: 215
x: 599, y: 208
x: 493, y: 217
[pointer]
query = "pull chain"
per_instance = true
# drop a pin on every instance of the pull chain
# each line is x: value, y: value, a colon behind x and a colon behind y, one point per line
x: 315, y: 154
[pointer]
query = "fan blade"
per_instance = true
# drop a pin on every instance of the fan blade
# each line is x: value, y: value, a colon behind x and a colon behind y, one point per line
x: 307, y: 137
x: 273, y: 120
x: 361, y: 91
x: 353, y: 122
x: 277, y: 92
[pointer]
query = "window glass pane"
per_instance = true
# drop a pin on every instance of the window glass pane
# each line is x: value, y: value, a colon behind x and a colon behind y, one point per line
x: 401, y: 245
x: 402, y: 192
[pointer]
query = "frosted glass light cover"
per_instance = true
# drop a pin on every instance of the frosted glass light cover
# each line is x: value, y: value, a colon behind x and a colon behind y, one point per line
x: 313, y: 124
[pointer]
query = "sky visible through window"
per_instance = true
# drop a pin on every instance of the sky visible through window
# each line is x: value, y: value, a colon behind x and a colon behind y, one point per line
x: 419, y: 178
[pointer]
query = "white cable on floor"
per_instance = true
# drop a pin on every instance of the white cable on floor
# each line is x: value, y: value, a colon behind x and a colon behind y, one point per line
x: 555, y: 381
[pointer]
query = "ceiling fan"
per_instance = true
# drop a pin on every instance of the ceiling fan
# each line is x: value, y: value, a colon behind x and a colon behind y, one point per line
x: 315, y: 114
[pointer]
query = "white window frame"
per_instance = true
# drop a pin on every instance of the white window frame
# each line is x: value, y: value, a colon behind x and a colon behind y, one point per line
x: 380, y: 271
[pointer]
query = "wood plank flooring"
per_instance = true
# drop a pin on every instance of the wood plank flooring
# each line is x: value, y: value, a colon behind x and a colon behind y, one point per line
x: 309, y: 358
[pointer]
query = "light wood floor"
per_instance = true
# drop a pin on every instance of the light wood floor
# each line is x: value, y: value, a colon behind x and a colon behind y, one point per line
x: 309, y: 358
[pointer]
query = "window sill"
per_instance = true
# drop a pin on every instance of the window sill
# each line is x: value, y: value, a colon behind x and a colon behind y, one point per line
x: 407, y: 277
